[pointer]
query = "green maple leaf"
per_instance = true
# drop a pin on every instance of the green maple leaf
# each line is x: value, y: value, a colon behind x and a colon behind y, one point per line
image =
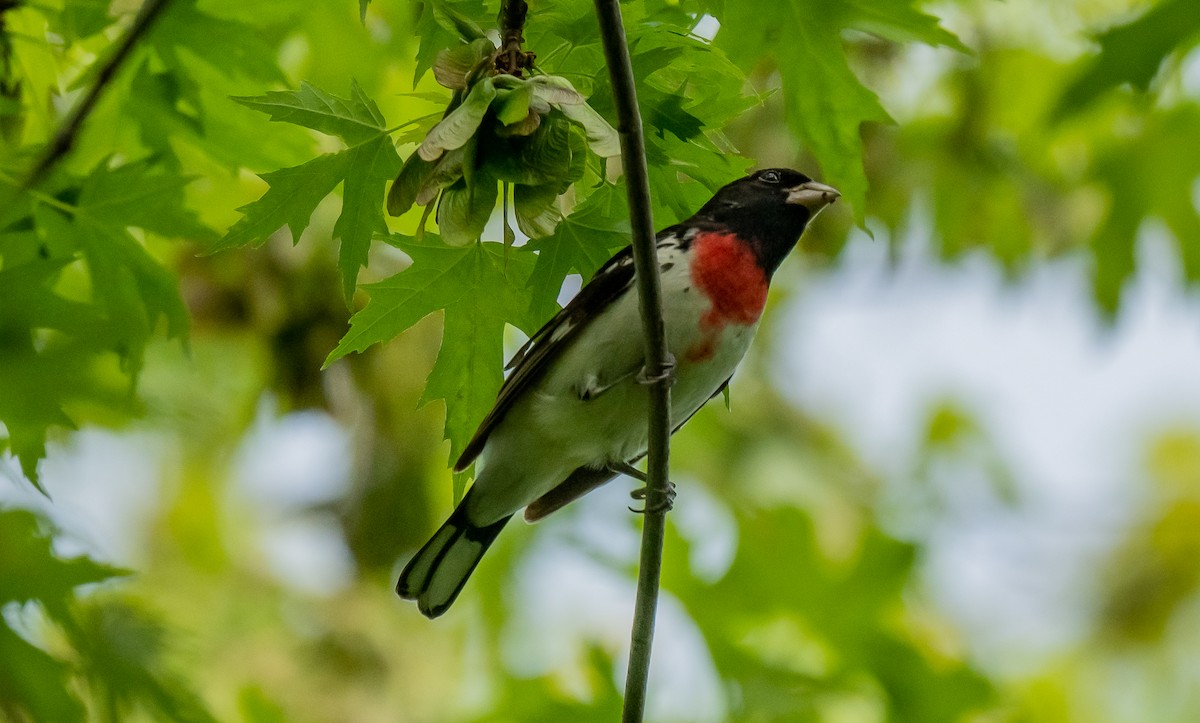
x: 355, y: 119
x: 290, y: 200
x: 826, y: 102
x: 137, y: 194
x: 33, y: 681
x: 710, y: 168
x: 436, y: 33
x: 36, y: 383
x: 895, y: 20
x: 129, y: 285
x: 37, y: 386
x: 81, y: 18
x: 1133, y: 53
x: 131, y: 295
x: 1147, y: 177
x: 666, y: 112
x: 830, y: 108
x: 480, y: 288
x: 124, y: 651
x: 27, y: 299
x: 580, y: 244
x: 172, y: 107
x: 177, y: 86
x: 29, y: 569
x: 371, y: 166
x: 233, y: 48
x: 363, y: 169
x: 136, y: 290
x: 703, y: 80
x: 689, y: 90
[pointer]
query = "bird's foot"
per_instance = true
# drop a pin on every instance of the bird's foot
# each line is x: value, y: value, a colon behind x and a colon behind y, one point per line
x: 666, y: 372
x: 656, y: 500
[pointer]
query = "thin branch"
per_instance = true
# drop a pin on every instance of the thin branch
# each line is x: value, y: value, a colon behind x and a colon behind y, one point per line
x: 659, y: 363
x: 64, y: 140
x: 511, y: 58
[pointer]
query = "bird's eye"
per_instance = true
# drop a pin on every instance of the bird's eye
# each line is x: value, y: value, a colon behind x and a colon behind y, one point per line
x: 770, y: 177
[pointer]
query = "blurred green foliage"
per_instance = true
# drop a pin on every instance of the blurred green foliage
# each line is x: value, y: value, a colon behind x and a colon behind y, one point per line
x: 1029, y: 139
x: 115, y: 647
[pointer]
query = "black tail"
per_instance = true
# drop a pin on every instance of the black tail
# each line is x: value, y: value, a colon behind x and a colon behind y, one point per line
x: 437, y: 573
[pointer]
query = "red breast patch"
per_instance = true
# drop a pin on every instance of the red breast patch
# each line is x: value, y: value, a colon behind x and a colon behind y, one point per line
x: 725, y: 269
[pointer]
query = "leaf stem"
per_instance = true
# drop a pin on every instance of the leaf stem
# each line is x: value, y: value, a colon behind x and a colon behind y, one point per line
x: 64, y: 140
x: 659, y: 363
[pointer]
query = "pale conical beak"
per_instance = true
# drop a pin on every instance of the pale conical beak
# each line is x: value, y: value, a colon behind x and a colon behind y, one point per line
x: 812, y: 195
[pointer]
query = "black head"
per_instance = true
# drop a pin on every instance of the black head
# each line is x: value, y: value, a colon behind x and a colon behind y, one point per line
x: 768, y: 208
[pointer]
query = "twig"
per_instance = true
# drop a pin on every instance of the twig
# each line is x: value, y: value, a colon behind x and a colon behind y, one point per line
x: 64, y: 140
x: 510, y: 57
x: 658, y: 358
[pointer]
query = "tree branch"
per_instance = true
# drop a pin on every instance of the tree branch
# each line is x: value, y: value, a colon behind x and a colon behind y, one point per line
x: 659, y: 364
x: 64, y: 140
x: 510, y: 57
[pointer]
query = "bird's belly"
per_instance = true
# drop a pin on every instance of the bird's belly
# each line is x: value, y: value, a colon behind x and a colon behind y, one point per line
x: 613, y: 426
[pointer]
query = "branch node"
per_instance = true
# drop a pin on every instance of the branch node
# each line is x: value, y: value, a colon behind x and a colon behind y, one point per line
x: 510, y: 57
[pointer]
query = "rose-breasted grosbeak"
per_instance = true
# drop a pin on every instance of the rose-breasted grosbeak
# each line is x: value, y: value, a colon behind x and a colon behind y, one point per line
x: 572, y: 413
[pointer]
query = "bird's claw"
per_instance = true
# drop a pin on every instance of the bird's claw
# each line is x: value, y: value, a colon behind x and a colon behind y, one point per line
x: 666, y: 372
x: 656, y: 500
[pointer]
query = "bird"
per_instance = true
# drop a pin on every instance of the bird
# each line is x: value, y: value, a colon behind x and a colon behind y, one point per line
x: 572, y: 413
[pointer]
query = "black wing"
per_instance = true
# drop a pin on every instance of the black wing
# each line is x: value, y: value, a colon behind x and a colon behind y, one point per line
x: 532, y: 360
